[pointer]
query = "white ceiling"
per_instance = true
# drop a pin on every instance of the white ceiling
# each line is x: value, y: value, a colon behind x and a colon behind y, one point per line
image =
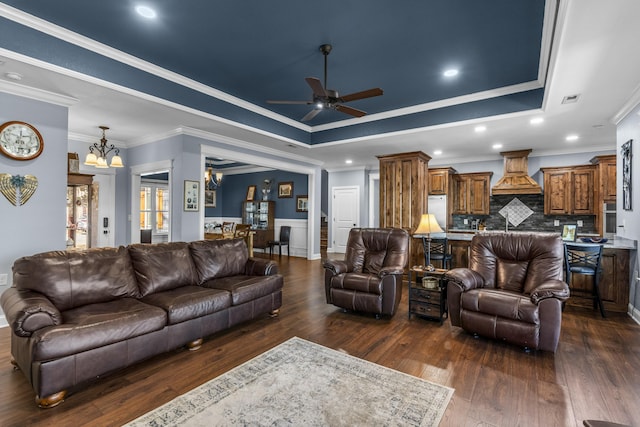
x: 594, y: 55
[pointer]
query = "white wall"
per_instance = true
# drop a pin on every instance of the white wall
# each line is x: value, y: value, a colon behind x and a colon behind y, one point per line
x: 629, y: 129
x: 38, y: 225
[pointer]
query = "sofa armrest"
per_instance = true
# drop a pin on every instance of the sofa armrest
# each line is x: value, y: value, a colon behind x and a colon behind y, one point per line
x: 386, y: 271
x: 260, y: 267
x: 550, y: 289
x: 465, y: 278
x: 28, y: 311
x: 335, y: 266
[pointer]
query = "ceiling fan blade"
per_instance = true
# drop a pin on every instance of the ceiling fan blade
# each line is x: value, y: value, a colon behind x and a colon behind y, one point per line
x: 311, y: 114
x: 316, y: 87
x: 361, y: 95
x: 290, y: 102
x: 350, y: 110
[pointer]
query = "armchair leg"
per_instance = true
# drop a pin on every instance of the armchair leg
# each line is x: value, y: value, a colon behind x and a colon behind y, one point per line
x: 51, y: 400
x: 15, y: 364
x: 274, y: 313
x: 195, y: 344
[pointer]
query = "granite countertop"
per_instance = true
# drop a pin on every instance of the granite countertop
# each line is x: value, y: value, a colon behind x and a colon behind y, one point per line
x: 616, y: 242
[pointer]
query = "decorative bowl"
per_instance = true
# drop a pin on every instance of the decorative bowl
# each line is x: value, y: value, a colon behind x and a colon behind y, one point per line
x: 594, y: 239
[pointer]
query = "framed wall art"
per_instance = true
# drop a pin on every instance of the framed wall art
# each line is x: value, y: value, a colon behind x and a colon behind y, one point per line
x: 285, y: 189
x: 191, y: 195
x: 569, y: 232
x: 251, y: 193
x: 302, y: 204
x: 210, y: 198
x: 626, y: 175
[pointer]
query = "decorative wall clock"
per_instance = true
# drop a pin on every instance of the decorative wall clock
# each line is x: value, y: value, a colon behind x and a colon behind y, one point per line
x: 20, y: 141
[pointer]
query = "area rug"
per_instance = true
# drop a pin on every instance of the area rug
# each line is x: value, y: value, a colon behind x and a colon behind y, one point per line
x: 299, y: 383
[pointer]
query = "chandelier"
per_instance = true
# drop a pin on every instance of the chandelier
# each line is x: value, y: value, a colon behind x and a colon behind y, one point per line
x: 99, y: 157
x: 211, y: 180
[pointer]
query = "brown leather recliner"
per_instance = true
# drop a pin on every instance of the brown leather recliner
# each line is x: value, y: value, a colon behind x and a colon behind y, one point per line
x: 370, y: 277
x: 512, y: 290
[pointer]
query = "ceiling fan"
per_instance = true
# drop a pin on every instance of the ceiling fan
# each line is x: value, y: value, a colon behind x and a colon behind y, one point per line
x: 328, y: 98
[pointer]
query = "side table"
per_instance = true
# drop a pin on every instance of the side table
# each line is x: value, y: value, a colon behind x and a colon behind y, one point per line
x: 430, y: 303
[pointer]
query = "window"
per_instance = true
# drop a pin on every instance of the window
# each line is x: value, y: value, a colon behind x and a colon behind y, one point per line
x: 154, y: 207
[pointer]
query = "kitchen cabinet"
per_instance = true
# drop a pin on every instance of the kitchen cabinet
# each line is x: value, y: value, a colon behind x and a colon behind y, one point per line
x: 404, y: 194
x: 260, y: 216
x: 440, y: 180
x: 460, y: 251
x: 569, y: 190
x: 614, y: 282
x: 471, y: 193
x: 606, y: 176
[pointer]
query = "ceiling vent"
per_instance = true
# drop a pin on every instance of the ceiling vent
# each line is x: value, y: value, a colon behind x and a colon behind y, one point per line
x: 516, y: 179
x: 570, y: 99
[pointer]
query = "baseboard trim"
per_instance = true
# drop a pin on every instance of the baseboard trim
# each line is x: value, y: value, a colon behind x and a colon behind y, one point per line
x: 634, y: 313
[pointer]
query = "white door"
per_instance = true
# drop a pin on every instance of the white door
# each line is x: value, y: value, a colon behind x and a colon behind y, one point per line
x: 346, y: 215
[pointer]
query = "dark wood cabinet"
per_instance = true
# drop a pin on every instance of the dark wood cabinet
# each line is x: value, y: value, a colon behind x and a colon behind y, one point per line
x: 260, y: 215
x: 460, y: 251
x: 471, y: 193
x: 569, y: 190
x: 440, y: 180
x: 403, y: 195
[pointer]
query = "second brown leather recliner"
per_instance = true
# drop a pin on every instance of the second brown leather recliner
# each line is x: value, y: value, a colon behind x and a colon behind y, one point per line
x: 369, y: 279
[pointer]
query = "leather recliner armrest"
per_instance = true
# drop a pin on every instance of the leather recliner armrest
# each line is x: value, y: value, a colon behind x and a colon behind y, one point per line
x: 336, y: 266
x: 465, y: 278
x: 28, y: 311
x: 260, y: 267
x: 550, y: 289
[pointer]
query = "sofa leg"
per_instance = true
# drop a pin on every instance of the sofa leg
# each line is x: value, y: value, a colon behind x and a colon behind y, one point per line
x: 274, y: 313
x: 15, y: 364
x: 51, y: 400
x: 195, y: 344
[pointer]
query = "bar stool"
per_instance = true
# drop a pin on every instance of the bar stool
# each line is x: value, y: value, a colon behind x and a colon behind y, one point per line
x: 439, y: 252
x: 585, y: 259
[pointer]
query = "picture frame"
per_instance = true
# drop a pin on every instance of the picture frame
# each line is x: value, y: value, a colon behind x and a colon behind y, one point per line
x: 251, y: 193
x: 626, y: 175
x: 569, y: 232
x: 302, y: 203
x: 285, y: 190
x: 209, y: 198
x: 191, y: 196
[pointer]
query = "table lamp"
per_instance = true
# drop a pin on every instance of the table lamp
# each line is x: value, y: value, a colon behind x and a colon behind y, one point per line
x: 427, y: 226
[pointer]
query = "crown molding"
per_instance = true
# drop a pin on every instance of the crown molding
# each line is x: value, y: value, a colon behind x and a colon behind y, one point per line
x: 36, y: 94
x: 628, y: 107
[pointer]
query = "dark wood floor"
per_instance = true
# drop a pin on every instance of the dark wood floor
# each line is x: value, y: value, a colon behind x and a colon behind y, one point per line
x: 594, y: 375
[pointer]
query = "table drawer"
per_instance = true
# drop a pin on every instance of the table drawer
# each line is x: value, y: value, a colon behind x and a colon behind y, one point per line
x: 424, y: 295
x: 431, y: 310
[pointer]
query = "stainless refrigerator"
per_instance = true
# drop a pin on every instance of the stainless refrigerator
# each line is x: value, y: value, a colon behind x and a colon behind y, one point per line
x: 437, y: 205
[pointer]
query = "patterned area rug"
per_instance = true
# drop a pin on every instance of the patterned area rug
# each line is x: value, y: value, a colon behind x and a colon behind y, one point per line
x: 299, y: 383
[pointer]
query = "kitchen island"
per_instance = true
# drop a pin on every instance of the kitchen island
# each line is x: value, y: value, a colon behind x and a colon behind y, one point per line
x: 616, y: 269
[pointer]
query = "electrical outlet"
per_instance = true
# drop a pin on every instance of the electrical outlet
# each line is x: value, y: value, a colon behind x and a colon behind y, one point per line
x: 466, y: 221
x: 4, y: 278
x: 579, y: 222
x: 556, y: 222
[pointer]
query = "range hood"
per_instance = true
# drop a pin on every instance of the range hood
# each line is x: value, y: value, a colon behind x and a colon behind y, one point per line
x: 516, y: 179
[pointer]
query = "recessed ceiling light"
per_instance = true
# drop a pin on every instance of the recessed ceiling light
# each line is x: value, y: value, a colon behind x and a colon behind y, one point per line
x: 480, y: 128
x: 450, y: 72
x: 536, y: 120
x: 146, y: 12
x: 437, y: 152
x: 13, y: 76
x: 572, y: 138
x: 496, y: 146
x: 348, y: 161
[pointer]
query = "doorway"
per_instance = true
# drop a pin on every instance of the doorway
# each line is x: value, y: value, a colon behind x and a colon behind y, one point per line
x: 346, y: 215
x: 151, y: 202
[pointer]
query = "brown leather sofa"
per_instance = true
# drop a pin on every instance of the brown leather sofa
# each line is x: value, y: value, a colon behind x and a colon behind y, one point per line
x: 369, y: 279
x: 78, y: 315
x: 512, y: 290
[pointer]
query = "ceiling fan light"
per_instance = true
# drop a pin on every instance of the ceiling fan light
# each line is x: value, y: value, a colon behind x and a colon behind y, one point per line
x: 319, y: 105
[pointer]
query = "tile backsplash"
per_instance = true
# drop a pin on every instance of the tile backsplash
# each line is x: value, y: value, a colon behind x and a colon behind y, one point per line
x: 537, y: 221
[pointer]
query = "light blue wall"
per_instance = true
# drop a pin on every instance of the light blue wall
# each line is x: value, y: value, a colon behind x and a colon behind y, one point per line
x: 39, y: 225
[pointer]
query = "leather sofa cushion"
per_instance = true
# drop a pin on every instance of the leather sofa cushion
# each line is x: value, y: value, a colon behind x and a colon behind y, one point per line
x: 219, y: 258
x: 163, y: 266
x: 189, y: 302
x: 501, y: 303
x: 359, y: 282
x: 73, y: 279
x: 511, y: 275
x: 96, y: 325
x: 246, y: 288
